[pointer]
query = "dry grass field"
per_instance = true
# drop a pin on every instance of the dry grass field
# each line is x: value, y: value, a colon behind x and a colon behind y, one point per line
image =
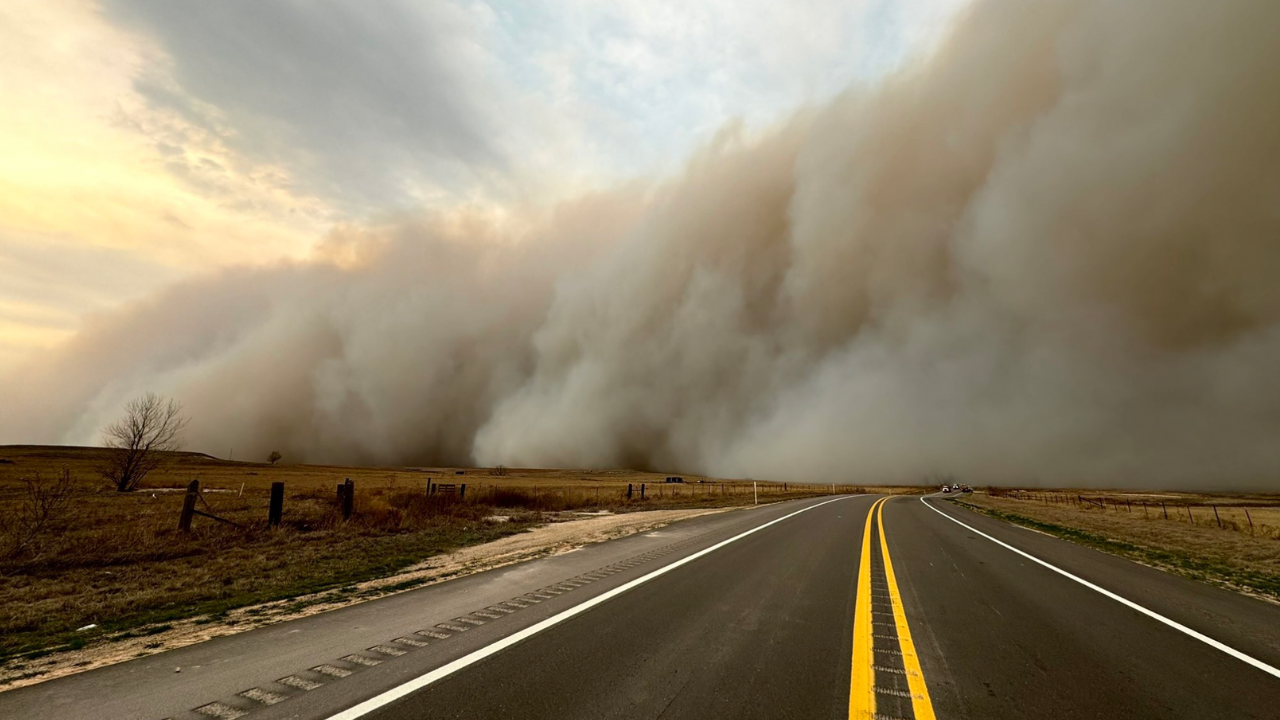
x: 1231, y: 540
x: 118, y: 561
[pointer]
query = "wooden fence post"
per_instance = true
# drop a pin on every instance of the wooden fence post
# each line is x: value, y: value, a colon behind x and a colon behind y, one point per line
x: 462, y: 492
x: 628, y: 491
x: 641, y: 491
x: 1215, y: 515
x: 1189, y: 516
x: 189, y: 506
x: 1165, y: 509
x: 277, y: 504
x: 346, y: 498
x: 1246, y: 515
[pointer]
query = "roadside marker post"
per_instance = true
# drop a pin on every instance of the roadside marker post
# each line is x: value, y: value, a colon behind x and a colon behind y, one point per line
x: 755, y: 492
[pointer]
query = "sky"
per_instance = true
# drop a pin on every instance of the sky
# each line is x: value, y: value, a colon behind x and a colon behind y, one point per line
x: 1018, y: 243
x: 144, y: 142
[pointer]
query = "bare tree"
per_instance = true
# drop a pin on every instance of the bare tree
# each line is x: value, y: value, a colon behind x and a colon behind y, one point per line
x: 44, y: 504
x: 274, y: 457
x: 151, y: 425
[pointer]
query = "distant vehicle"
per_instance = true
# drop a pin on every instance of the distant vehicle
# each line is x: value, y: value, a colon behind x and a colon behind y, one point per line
x: 955, y: 487
x: 946, y: 489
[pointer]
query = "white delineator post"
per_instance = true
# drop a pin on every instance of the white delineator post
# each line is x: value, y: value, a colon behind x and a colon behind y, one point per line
x: 755, y: 492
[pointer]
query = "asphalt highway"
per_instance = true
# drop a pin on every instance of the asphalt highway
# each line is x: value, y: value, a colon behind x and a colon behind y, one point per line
x: 838, y: 607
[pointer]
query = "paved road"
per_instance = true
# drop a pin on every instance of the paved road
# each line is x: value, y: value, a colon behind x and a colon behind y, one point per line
x: 828, y: 608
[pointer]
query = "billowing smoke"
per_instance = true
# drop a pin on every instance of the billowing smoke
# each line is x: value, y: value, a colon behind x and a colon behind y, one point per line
x: 1047, y: 254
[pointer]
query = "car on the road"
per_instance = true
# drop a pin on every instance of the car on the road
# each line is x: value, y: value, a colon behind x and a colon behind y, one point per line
x: 946, y: 488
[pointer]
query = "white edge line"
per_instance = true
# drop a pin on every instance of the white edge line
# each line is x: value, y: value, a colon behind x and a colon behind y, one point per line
x: 444, y: 671
x: 1124, y: 601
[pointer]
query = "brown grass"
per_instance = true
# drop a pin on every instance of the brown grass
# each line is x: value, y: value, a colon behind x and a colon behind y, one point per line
x: 117, y: 560
x: 1225, y: 549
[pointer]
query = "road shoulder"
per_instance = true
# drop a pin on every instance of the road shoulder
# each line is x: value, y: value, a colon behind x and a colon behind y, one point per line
x: 541, y: 541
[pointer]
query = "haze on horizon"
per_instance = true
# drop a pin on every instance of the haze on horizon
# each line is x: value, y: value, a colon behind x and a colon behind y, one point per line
x: 1021, y: 243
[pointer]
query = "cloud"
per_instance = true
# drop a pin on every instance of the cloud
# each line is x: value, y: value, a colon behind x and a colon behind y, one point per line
x: 167, y: 141
x: 650, y: 80
x: 1043, y: 255
x: 364, y: 102
x: 395, y: 103
x: 90, y: 213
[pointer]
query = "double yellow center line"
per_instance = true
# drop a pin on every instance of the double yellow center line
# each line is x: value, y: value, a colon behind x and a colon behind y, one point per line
x: 866, y: 642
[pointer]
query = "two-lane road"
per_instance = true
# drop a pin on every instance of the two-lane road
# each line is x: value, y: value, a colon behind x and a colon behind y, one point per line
x: 853, y: 607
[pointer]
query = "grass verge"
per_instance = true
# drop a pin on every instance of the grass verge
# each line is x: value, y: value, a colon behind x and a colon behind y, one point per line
x: 1197, y: 565
x: 91, y: 565
x: 48, y: 606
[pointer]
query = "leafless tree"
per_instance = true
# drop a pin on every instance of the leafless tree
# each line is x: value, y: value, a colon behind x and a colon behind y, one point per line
x: 151, y: 425
x: 43, y: 507
x: 274, y: 457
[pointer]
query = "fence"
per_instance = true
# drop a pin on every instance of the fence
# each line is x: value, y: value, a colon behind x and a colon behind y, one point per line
x: 541, y: 497
x: 1234, y: 517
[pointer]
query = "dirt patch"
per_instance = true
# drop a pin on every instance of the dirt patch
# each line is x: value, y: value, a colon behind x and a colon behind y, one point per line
x: 550, y: 539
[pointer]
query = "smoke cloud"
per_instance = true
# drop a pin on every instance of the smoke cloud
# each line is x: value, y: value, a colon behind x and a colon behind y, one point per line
x: 1046, y: 254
